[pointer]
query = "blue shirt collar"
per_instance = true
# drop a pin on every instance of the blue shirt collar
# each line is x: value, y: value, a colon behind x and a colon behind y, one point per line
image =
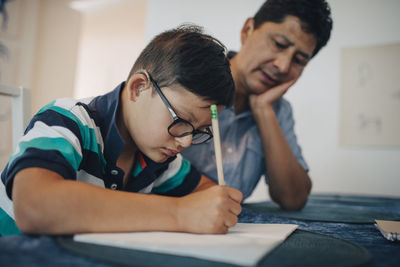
x: 105, y: 108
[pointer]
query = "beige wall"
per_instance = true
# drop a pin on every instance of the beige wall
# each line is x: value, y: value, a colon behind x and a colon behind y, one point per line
x: 42, y: 42
x: 57, y: 44
x: 66, y: 48
x: 112, y: 38
x: 42, y: 38
x: 16, y: 68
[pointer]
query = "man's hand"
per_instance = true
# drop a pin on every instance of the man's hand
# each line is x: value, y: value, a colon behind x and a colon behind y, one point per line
x: 289, y: 184
x: 268, y: 98
x: 210, y: 211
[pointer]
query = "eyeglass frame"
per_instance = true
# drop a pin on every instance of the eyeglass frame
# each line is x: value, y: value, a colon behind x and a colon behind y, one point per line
x: 175, y: 117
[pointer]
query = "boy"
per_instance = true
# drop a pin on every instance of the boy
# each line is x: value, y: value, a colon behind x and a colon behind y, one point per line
x: 87, y: 167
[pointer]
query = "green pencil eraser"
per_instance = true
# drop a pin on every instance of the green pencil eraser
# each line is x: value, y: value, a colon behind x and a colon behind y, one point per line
x: 214, y: 112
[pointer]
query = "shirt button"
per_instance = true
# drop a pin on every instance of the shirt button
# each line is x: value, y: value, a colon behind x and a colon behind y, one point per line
x: 114, y: 186
x: 230, y: 150
x: 114, y: 172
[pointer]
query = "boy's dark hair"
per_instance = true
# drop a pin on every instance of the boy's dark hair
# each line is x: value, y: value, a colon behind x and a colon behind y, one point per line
x: 315, y: 16
x: 187, y: 56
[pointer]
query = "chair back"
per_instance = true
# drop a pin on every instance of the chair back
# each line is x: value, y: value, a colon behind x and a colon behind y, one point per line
x: 21, y: 110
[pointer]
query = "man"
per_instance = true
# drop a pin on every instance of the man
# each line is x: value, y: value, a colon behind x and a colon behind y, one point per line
x: 258, y: 131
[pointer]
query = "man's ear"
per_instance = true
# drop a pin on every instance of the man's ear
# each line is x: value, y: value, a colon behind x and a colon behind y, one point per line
x: 137, y: 83
x: 247, y: 30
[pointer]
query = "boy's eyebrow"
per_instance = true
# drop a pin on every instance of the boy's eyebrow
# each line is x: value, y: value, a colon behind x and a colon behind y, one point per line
x: 290, y: 43
x: 208, y: 106
x: 191, y: 114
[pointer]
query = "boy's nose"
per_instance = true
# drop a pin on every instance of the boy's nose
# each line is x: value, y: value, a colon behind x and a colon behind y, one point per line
x: 184, y: 141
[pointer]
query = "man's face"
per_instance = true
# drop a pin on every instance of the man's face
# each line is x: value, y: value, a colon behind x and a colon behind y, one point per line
x: 271, y: 54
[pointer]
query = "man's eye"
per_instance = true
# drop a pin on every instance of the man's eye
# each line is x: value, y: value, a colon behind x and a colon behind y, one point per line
x: 300, y: 61
x: 280, y: 45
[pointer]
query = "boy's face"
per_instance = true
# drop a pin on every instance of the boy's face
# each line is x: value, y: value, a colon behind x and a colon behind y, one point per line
x: 148, y: 126
x: 272, y: 54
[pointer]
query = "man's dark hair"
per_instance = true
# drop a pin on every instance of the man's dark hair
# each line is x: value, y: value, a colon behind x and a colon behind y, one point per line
x: 187, y: 56
x: 315, y: 16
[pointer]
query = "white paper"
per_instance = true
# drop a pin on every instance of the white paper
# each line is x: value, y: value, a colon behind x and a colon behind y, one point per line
x: 245, y: 244
x: 370, y: 96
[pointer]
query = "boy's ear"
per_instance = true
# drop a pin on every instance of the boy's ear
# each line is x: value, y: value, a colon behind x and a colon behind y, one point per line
x: 137, y: 83
x: 247, y: 30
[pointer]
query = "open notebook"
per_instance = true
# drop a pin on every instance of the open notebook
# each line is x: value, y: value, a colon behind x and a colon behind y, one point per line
x: 244, y: 244
x: 389, y: 229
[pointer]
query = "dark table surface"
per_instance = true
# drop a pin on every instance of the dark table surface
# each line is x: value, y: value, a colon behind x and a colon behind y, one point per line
x: 27, y: 250
x: 383, y: 251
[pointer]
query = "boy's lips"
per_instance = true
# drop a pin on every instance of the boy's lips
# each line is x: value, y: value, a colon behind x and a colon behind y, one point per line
x: 169, y: 152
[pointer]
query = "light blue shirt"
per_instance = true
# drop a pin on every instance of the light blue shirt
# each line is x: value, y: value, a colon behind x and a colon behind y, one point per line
x: 242, y: 151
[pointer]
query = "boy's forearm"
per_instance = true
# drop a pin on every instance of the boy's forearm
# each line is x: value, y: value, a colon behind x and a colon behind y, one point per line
x: 204, y: 183
x: 45, y: 203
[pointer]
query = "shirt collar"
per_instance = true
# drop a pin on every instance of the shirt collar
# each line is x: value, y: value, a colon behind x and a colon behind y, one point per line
x: 105, y: 109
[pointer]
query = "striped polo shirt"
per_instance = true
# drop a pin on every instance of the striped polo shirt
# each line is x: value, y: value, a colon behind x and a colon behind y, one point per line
x: 80, y: 141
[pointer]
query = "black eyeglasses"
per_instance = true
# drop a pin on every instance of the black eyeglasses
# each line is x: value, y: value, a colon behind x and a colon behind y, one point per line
x: 180, y: 127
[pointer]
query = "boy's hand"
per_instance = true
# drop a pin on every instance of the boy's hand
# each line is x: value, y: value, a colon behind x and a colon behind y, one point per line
x: 204, y: 183
x: 210, y: 211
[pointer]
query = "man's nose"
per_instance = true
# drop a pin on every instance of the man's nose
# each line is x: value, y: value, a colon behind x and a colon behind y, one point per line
x: 184, y: 141
x: 282, y: 63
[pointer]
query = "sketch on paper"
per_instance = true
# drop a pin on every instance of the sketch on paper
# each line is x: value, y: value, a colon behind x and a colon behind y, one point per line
x: 370, y: 96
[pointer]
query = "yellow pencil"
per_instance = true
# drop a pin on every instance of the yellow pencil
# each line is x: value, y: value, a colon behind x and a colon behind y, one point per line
x: 217, y: 144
